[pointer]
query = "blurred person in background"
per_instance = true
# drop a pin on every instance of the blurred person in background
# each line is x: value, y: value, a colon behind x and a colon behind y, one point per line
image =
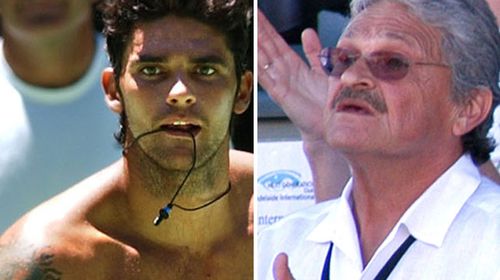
x: 55, y: 126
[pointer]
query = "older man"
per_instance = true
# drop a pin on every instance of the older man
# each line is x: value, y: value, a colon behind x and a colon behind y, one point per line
x: 410, y: 90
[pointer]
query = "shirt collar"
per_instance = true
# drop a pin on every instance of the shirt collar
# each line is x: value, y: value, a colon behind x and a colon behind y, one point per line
x: 338, y: 226
x: 428, y: 218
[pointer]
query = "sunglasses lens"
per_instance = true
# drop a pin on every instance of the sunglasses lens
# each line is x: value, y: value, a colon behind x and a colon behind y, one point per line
x: 325, y: 60
x: 336, y: 60
x: 388, y: 66
x: 383, y: 65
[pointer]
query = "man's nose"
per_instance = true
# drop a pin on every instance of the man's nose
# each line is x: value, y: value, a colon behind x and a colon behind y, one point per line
x: 358, y: 76
x: 180, y: 96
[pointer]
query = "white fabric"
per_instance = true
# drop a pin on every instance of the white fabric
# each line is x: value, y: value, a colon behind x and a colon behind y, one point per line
x: 51, y: 138
x: 456, y: 223
x: 495, y: 134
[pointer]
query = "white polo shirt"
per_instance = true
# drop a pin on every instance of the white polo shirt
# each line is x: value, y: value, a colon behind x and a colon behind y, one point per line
x: 456, y: 223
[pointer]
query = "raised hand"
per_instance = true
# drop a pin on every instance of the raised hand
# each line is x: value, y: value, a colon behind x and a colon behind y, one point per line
x: 299, y: 89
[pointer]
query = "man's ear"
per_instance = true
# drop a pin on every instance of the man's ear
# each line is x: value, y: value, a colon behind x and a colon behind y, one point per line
x: 244, y: 93
x: 474, y: 111
x: 112, y: 96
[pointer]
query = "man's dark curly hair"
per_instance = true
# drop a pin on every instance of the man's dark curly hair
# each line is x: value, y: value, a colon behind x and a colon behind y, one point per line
x: 230, y: 17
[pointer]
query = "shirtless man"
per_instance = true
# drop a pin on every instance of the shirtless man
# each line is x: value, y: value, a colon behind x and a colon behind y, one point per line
x: 177, y: 77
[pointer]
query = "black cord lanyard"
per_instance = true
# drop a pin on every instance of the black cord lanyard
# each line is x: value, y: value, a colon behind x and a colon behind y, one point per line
x: 385, y: 271
x: 325, y: 275
x: 164, y: 212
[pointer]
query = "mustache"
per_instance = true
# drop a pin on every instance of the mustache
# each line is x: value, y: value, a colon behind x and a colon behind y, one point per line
x: 369, y: 96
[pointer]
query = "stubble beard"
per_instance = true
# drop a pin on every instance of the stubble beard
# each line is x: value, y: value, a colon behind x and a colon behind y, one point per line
x: 164, y: 178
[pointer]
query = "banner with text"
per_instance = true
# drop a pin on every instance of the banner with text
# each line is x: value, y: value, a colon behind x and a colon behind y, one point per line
x: 284, y: 181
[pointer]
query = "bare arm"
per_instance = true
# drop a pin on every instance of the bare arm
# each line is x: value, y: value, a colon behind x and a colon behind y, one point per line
x: 329, y: 170
x: 301, y: 90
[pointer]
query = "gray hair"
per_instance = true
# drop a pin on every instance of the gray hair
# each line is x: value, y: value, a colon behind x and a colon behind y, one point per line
x: 472, y: 42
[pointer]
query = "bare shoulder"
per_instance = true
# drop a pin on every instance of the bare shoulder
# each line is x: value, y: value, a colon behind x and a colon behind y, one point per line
x: 241, y: 163
x: 58, y: 252
x: 56, y: 240
x: 20, y: 260
x: 241, y: 171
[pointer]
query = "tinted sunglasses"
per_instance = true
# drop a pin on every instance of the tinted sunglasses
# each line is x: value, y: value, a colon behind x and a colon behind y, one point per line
x: 383, y: 65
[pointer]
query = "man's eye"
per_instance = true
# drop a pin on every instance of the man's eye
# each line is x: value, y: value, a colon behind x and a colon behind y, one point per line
x: 150, y: 70
x: 205, y: 70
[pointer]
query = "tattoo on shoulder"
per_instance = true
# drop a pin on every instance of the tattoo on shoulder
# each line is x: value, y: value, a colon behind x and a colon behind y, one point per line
x: 39, y: 267
x: 43, y: 267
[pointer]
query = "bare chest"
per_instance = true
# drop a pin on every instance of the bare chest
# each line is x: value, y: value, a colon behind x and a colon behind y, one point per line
x: 233, y: 260
x: 225, y: 264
